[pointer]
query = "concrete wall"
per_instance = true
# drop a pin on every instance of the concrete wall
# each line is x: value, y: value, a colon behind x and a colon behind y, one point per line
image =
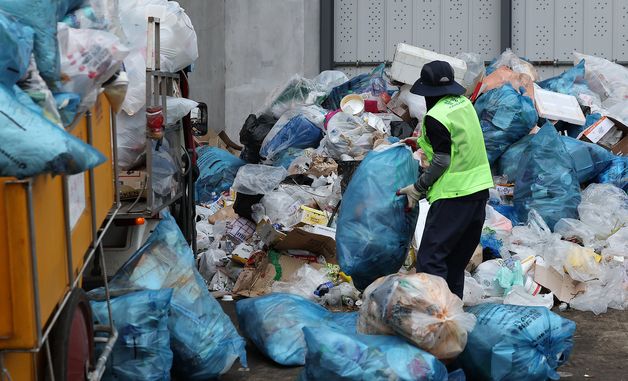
x: 248, y: 48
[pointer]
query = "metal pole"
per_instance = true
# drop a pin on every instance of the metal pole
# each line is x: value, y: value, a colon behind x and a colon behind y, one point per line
x: 506, y: 25
x: 326, y: 35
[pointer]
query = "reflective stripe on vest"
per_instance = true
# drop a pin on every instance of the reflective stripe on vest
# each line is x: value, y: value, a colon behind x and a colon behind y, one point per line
x: 469, y: 171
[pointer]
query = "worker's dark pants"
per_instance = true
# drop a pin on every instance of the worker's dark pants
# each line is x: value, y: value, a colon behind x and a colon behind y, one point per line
x: 452, y: 233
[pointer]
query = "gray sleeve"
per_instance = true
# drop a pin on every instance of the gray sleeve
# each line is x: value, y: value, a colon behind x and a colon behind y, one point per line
x: 438, y: 166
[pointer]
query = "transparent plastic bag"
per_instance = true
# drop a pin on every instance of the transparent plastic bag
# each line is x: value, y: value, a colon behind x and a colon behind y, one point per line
x: 303, y: 282
x: 518, y: 65
x: 505, y: 116
x: 419, y: 308
x: 204, y: 341
x: 516, y: 343
x: 275, y: 322
x: 608, y: 79
x: 281, y: 208
x: 35, y: 86
x: 348, y: 135
x: 178, y: 108
x: 131, y: 139
x: 135, y: 99
x: 486, y: 276
x: 41, y: 15
x: 142, y: 351
x: 617, y: 244
x: 572, y: 229
x: 334, y: 355
x: 522, y: 83
x: 416, y: 103
x: 374, y: 227
x: 610, y: 291
x: 547, y: 180
x: 604, y: 208
x: 96, y: 14
x: 579, y: 262
x: 475, y: 70
x: 329, y: 79
x: 363, y: 83
x: 33, y: 145
x: 572, y: 82
x: 292, y: 94
x: 17, y: 46
x: 255, y: 179
x: 88, y: 59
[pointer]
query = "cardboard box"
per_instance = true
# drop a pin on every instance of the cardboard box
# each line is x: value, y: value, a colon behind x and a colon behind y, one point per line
x: 409, y: 60
x: 597, y: 131
x: 310, y: 216
x: 563, y: 287
x: 557, y: 106
x: 131, y: 184
x: 258, y: 281
x: 319, y: 240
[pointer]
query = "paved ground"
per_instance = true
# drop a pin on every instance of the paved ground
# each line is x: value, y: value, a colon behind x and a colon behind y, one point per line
x: 600, y: 351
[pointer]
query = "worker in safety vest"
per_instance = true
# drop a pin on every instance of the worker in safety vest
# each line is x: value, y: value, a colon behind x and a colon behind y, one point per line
x: 456, y: 179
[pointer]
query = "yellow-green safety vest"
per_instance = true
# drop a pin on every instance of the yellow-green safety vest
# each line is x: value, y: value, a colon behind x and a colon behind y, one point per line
x: 469, y: 171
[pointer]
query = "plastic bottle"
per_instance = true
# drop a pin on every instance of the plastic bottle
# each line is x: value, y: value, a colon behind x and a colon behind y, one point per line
x: 323, y: 289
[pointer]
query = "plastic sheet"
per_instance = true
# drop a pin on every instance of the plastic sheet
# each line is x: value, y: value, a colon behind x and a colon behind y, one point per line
x: 516, y: 343
x: 547, y: 181
x: 359, y: 84
x: 333, y: 355
x: 420, y: 308
x: 88, y: 59
x: 616, y: 173
x: 17, y: 46
x: 204, y: 341
x: 41, y: 15
x: 505, y: 116
x: 518, y: 65
x: 300, y: 128
x: 255, y: 179
x: 142, y: 351
x: 32, y: 145
x: 604, y: 208
x: 218, y: 170
x: 275, y: 322
x: 374, y: 228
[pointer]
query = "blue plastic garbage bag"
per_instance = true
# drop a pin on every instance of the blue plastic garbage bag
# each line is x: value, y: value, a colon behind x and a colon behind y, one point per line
x: 299, y: 132
x: 67, y: 105
x: 547, y: 180
x: 366, y: 82
x: 616, y: 173
x: 66, y: 6
x: 16, y: 40
x: 589, y: 159
x: 203, y: 339
x: 505, y: 116
x: 333, y: 355
x: 274, y: 324
x: 32, y: 145
x: 286, y: 157
x: 516, y: 343
x: 41, y: 15
x: 374, y: 228
x: 142, y: 351
x: 571, y: 81
x: 218, y: 170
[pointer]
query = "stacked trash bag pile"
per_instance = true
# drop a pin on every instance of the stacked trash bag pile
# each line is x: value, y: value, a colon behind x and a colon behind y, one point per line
x: 305, y: 225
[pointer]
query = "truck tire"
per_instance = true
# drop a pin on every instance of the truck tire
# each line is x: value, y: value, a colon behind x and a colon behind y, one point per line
x: 72, y: 340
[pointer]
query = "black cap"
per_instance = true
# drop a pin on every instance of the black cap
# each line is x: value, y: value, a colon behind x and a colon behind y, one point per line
x: 437, y: 79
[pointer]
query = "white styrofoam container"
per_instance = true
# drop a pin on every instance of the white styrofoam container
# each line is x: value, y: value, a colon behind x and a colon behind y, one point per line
x: 557, y: 106
x: 409, y: 60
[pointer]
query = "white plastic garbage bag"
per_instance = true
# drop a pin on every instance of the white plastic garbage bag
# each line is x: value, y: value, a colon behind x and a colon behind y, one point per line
x: 131, y: 133
x: 178, y: 108
x: 420, y: 308
x: 281, y: 208
x: 473, y: 291
x: 255, y: 179
x: 486, y: 276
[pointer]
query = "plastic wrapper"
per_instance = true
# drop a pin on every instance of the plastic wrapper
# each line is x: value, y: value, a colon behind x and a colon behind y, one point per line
x: 348, y: 135
x: 505, y: 116
x: 34, y: 85
x: 299, y: 128
x: 142, y: 351
x: 579, y: 262
x: 41, y: 15
x: 218, y: 170
x: 255, y: 179
x: 329, y: 79
x: 88, y: 59
x: 475, y: 70
x: 616, y: 173
x: 518, y: 65
x: 604, y: 208
x: 275, y: 322
x: 363, y: 83
x: 303, y: 282
x: 495, y: 232
x: 333, y: 355
x: 419, y: 308
x: 374, y: 227
x: 516, y: 343
x: 32, y: 145
x: 17, y: 47
x: 547, y: 181
x: 203, y: 339
x: 608, y: 79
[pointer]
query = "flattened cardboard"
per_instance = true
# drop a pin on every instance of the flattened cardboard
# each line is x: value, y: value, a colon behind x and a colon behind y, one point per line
x: 320, y: 240
x: 259, y: 280
x: 561, y: 285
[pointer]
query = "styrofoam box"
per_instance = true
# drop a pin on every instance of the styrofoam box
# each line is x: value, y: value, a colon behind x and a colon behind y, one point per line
x: 409, y: 60
x: 557, y: 106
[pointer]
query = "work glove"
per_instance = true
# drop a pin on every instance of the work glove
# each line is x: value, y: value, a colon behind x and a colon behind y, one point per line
x: 411, y: 142
x: 413, y: 195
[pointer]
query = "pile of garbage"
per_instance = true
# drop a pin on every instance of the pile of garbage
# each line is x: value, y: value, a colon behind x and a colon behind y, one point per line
x: 306, y: 216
